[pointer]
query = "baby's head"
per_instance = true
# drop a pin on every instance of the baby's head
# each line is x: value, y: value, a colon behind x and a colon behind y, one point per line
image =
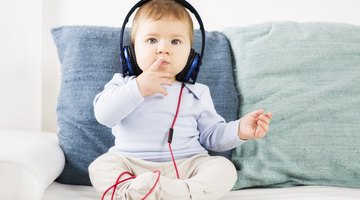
x: 162, y: 35
x: 160, y: 9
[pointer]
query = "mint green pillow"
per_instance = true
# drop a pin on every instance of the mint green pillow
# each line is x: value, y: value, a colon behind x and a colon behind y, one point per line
x: 308, y: 76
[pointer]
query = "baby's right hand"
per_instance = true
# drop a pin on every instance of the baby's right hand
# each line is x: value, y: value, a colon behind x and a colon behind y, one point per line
x: 150, y: 81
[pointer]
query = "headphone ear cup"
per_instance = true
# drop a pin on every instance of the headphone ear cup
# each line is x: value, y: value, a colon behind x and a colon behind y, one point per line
x: 191, y: 68
x: 131, y: 66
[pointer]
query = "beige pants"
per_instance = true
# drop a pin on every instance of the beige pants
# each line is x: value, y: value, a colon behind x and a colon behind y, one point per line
x: 202, y: 177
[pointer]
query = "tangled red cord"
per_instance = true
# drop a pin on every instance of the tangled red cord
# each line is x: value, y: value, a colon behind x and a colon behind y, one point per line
x: 119, y: 181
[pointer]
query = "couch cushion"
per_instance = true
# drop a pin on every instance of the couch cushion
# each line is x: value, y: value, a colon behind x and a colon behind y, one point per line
x: 308, y: 75
x: 89, y: 57
x: 29, y: 162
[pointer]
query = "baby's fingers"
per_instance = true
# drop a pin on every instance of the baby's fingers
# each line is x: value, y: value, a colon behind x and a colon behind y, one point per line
x: 266, y: 118
x: 269, y: 115
x: 155, y: 66
x: 263, y: 125
x: 260, y: 132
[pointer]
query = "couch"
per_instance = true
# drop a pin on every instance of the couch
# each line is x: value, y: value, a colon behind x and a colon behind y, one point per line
x: 306, y: 74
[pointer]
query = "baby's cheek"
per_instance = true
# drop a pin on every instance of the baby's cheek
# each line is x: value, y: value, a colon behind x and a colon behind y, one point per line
x: 143, y: 65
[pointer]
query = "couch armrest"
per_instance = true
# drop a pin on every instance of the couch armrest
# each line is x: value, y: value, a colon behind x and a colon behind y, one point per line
x: 29, y: 163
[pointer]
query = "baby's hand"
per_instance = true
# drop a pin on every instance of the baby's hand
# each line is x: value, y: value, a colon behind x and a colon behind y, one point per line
x: 254, y: 125
x: 150, y: 81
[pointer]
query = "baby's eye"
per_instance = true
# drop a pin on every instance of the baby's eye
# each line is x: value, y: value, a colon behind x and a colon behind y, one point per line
x: 175, y: 42
x: 152, y: 40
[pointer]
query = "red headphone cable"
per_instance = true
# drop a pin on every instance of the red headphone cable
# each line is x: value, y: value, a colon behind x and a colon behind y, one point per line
x: 171, y: 131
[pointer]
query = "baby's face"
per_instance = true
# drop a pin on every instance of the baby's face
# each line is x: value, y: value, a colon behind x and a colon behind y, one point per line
x: 167, y: 39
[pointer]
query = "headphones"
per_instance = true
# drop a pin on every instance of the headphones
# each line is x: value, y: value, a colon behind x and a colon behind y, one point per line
x: 191, y: 69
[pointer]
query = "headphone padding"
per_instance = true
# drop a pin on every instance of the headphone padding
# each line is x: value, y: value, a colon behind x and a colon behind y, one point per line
x: 133, y: 67
x: 191, y: 68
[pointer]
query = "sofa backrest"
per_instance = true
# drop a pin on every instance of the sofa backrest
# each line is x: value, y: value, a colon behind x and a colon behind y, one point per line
x: 306, y: 74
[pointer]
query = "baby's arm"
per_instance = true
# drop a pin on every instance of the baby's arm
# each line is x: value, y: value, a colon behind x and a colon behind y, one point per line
x: 254, y: 125
x: 118, y: 99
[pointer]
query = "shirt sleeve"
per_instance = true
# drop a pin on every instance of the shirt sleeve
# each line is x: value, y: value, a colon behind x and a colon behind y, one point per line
x: 215, y: 133
x: 118, y: 99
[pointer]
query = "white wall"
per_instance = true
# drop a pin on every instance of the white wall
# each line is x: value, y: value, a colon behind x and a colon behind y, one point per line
x: 218, y: 13
x: 50, y: 67
x: 20, y: 64
x: 28, y: 56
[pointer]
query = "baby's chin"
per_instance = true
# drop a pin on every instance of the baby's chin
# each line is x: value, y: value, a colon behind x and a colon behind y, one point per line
x: 173, y: 79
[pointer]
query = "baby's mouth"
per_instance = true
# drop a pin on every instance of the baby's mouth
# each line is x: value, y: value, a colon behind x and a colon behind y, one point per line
x: 164, y: 62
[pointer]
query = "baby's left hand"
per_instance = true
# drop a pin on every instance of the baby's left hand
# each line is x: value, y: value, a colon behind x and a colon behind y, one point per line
x: 254, y: 125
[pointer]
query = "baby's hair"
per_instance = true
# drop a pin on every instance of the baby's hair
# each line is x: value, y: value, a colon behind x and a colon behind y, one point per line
x: 158, y: 9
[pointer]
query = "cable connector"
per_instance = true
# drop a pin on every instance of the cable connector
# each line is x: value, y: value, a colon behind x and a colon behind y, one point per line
x: 170, y: 136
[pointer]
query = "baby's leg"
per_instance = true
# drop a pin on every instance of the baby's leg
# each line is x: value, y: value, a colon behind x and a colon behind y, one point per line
x: 201, y: 177
x: 211, y: 178
x: 105, y: 170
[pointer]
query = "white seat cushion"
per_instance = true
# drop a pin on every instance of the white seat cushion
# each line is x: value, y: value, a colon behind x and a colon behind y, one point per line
x: 29, y: 163
x: 57, y: 191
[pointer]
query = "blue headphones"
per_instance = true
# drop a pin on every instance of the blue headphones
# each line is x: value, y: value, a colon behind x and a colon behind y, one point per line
x: 128, y: 58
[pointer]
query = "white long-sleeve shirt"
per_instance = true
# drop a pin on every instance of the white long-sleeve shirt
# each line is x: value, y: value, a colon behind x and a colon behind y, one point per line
x: 141, y: 124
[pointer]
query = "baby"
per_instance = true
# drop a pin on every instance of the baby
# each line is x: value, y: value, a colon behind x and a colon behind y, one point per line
x: 148, y: 160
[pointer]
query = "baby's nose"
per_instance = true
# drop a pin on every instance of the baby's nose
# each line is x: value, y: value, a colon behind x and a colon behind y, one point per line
x: 163, y: 49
